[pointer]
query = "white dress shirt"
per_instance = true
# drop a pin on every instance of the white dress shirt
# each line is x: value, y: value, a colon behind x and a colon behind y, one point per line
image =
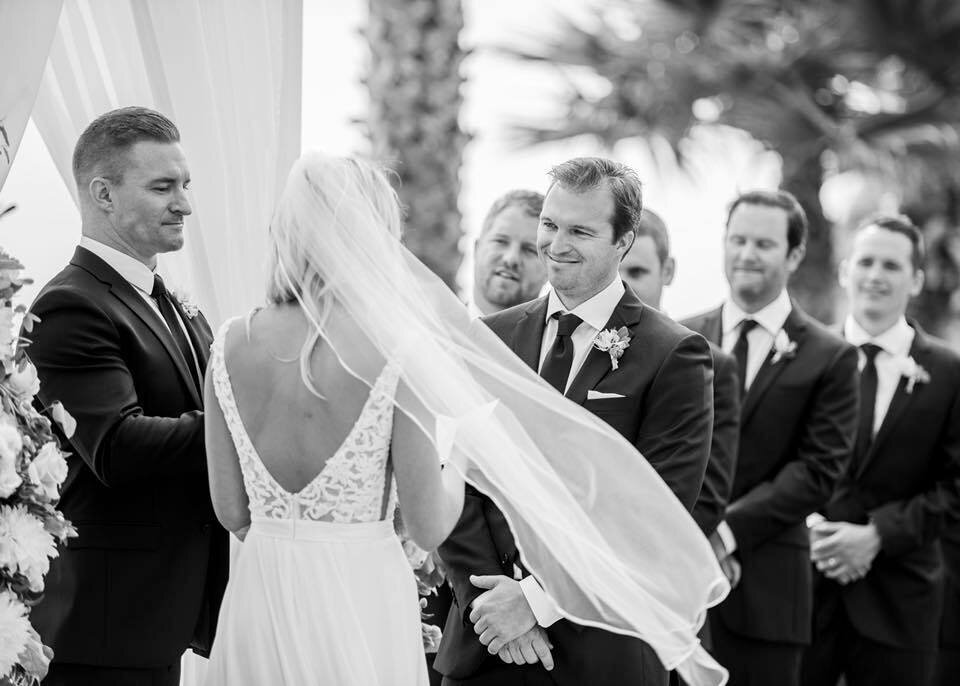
x: 140, y: 276
x: 894, y: 344
x: 760, y: 340
x: 595, y: 313
x: 770, y: 321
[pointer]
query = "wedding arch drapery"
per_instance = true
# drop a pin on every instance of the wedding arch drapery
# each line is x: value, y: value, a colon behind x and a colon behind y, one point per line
x: 228, y: 72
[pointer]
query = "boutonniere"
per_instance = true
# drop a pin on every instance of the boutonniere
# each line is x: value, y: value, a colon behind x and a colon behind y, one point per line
x: 912, y: 372
x: 783, y: 347
x: 614, y: 342
x: 189, y: 307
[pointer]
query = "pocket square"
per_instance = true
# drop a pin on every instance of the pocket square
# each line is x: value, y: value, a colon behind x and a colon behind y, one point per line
x: 597, y: 395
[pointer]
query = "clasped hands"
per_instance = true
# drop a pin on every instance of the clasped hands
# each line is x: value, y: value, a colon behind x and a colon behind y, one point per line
x: 843, y: 551
x: 728, y: 563
x: 503, y: 620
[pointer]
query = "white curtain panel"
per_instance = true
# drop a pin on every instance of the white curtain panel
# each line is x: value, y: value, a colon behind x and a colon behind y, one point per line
x: 26, y: 29
x: 228, y: 73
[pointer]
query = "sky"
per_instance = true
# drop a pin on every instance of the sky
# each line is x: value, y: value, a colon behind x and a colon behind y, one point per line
x: 44, y: 229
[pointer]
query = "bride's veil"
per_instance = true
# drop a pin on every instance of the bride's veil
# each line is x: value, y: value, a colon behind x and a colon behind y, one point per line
x: 594, y: 523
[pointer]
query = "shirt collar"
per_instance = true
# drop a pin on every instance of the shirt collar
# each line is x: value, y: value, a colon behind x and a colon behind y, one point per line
x: 895, y: 341
x: 771, y: 318
x: 597, y: 310
x: 133, y: 270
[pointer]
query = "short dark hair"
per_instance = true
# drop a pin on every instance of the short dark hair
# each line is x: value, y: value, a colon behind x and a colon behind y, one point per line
x: 652, y: 225
x: 587, y: 173
x: 796, y: 217
x: 102, y: 144
x: 901, y: 224
x: 530, y: 202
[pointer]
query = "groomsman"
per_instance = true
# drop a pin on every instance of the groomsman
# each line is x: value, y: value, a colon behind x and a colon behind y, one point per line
x: 797, y: 427
x: 507, y: 270
x: 648, y: 268
x: 879, y: 591
x: 144, y: 579
x: 948, y: 659
x: 660, y: 400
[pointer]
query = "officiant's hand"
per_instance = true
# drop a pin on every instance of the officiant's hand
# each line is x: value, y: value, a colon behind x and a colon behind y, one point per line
x: 502, y: 613
x: 529, y: 648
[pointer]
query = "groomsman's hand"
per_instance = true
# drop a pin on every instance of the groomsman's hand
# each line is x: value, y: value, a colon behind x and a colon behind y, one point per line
x: 843, y: 551
x: 529, y: 648
x: 502, y: 613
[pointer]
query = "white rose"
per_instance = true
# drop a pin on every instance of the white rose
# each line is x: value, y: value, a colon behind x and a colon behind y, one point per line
x: 63, y: 418
x: 48, y: 470
x: 6, y: 326
x: 11, y: 443
x: 24, y: 382
x: 9, y: 478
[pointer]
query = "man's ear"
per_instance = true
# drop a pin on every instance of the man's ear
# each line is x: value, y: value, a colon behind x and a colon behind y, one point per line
x: 100, y: 190
x: 918, y: 279
x: 843, y: 273
x: 668, y: 270
x: 625, y: 242
x: 795, y: 257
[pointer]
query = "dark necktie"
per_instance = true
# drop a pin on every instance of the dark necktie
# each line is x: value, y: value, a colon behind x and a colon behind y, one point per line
x: 741, y: 351
x: 162, y: 297
x: 556, y: 366
x: 868, y: 399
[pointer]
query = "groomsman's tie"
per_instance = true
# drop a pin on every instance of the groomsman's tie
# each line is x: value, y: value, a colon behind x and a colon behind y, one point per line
x: 162, y: 297
x: 868, y: 399
x: 741, y: 350
x: 556, y: 366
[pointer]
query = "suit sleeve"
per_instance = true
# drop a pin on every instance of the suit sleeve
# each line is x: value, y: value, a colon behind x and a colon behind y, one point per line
x: 76, y: 349
x: 718, y: 480
x: 469, y: 550
x: 677, y: 423
x: 823, y: 445
x: 906, y: 525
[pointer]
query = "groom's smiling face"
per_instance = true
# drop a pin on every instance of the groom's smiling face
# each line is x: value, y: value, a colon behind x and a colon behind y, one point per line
x: 576, y: 240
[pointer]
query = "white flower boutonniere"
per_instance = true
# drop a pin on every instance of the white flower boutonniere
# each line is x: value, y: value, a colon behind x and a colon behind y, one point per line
x: 189, y: 307
x: 613, y: 342
x: 912, y: 372
x: 783, y: 347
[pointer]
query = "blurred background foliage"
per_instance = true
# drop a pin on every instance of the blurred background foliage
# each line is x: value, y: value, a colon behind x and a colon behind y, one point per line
x: 861, y: 99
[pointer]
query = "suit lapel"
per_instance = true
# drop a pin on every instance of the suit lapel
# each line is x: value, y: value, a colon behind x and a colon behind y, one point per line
x: 126, y: 294
x: 528, y: 334
x: 597, y: 365
x: 795, y: 328
x: 900, y: 401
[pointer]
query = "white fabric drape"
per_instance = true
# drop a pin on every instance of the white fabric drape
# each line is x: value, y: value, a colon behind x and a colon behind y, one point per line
x: 228, y: 73
x: 26, y: 29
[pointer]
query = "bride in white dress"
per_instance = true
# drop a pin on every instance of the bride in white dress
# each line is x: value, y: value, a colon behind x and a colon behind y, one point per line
x: 307, y: 461
x: 365, y: 371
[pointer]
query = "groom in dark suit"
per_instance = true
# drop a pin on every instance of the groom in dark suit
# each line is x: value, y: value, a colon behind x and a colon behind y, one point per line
x: 503, y: 629
x: 878, y: 596
x: 797, y: 425
x: 144, y: 579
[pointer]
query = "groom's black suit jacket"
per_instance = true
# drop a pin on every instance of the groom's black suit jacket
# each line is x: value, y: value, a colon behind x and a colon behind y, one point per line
x: 908, y: 484
x: 797, y: 427
x: 665, y: 377
x: 144, y: 579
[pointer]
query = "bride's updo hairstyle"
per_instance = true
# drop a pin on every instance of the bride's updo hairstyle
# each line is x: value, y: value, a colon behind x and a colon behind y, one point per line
x: 335, y: 214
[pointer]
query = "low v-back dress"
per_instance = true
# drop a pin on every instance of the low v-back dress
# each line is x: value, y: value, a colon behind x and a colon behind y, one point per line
x: 321, y: 591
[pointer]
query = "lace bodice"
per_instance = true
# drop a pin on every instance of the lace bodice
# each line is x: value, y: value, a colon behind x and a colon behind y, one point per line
x: 350, y: 486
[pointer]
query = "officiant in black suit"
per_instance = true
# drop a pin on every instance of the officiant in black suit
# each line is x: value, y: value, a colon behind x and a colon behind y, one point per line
x: 797, y: 426
x: 660, y: 399
x: 144, y: 579
x: 879, y: 590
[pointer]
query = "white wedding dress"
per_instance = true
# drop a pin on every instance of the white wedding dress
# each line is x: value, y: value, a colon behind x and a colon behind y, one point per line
x: 321, y: 591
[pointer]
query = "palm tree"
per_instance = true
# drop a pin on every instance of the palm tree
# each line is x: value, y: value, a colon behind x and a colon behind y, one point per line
x: 413, y: 124
x: 832, y: 85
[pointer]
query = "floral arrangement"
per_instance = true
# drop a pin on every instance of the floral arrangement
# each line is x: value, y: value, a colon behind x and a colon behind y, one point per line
x: 32, y: 469
x: 783, y: 347
x: 614, y: 342
x: 912, y: 372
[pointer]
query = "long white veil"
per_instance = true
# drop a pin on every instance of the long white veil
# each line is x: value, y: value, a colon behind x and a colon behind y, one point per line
x: 593, y: 521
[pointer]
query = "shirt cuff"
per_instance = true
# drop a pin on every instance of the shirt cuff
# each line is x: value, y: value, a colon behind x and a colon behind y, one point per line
x: 726, y: 537
x: 543, y: 607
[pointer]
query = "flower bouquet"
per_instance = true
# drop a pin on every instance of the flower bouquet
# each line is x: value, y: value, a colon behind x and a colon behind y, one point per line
x: 32, y: 468
x: 429, y: 573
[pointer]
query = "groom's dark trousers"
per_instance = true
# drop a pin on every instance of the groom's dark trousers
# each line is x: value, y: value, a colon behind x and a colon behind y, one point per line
x: 797, y: 426
x: 144, y: 579
x: 883, y: 629
x: 665, y: 377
